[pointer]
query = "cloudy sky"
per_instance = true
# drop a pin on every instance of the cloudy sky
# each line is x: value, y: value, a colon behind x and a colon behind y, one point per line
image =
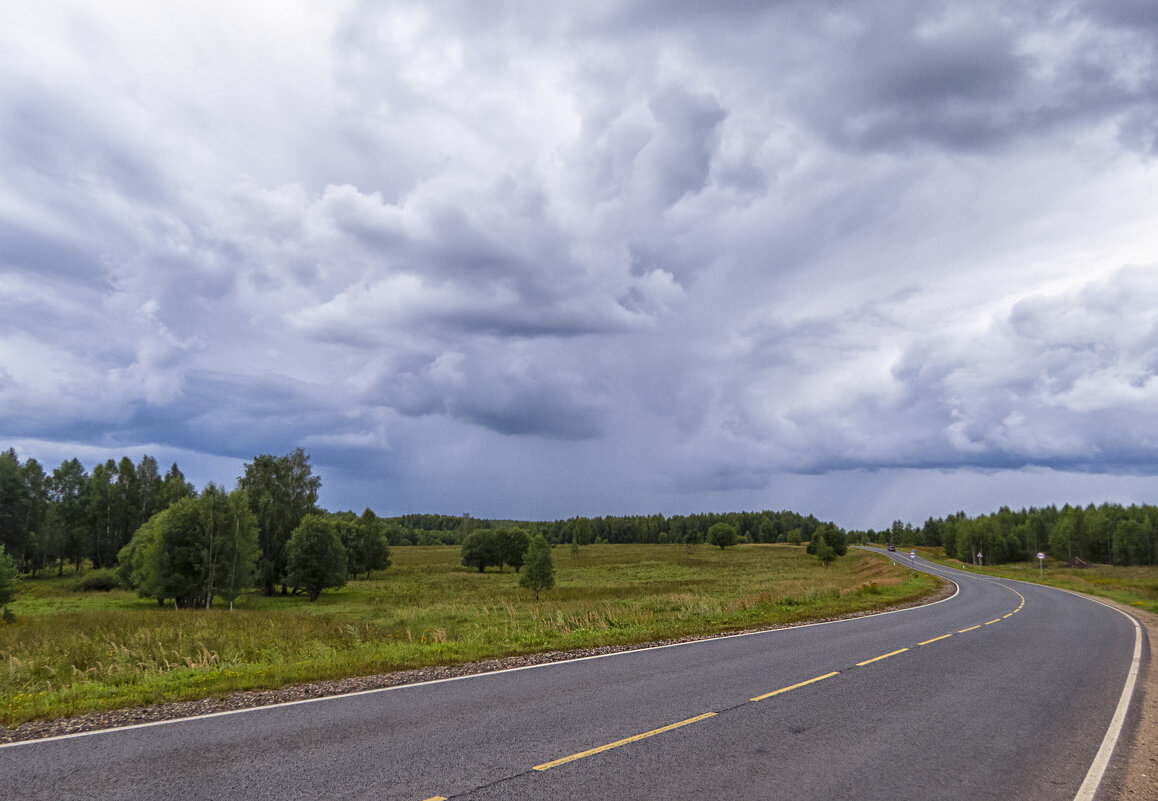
x: 866, y: 260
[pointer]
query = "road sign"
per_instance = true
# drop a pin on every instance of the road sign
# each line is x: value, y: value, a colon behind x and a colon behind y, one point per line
x: 1040, y: 564
x: 912, y: 554
x: 1040, y: 555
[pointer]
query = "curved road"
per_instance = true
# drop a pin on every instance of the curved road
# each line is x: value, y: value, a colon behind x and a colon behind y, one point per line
x: 1004, y: 691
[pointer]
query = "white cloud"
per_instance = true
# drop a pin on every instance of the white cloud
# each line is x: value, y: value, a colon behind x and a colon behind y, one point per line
x: 706, y: 245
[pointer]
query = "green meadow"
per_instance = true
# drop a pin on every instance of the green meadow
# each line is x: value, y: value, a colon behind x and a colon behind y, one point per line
x: 70, y: 652
x: 1134, y: 585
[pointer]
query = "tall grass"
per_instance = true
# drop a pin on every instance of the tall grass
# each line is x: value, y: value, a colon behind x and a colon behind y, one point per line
x: 1134, y: 586
x: 72, y: 652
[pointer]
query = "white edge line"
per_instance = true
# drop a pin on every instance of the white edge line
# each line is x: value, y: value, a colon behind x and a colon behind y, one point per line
x: 209, y: 715
x: 1102, y: 759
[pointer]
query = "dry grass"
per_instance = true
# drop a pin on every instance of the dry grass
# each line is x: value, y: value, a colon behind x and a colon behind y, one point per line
x: 71, y: 652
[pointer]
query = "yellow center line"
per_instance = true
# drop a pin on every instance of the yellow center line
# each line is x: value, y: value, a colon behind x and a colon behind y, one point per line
x: 991, y: 622
x: 882, y: 656
x: 795, y: 686
x: 962, y: 631
x: 1005, y: 616
x: 435, y: 798
x: 625, y: 741
x: 943, y: 636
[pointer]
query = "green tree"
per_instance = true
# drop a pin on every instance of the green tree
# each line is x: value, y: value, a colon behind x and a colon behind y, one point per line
x: 138, y: 563
x: 364, y: 539
x: 282, y: 490
x: 692, y: 538
x: 481, y: 549
x: 370, y: 545
x: 126, y: 506
x: 174, y: 487
x: 540, y: 566
x: 513, y: 544
x: 13, y: 503
x: 1131, y: 543
x: 825, y: 553
x: 833, y: 536
x: 99, y: 497
x: 315, y: 557
x: 722, y: 535
x: 66, y: 492
x: 229, y: 534
x: 184, y: 552
x: 238, y: 549
x: 581, y: 532
x: 195, y: 550
x: 165, y: 558
x: 768, y: 529
x: 8, y: 580
x: 149, y: 487
x: 36, y: 516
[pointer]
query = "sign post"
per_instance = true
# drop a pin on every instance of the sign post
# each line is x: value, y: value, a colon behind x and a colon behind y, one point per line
x: 980, y: 559
x: 1040, y: 565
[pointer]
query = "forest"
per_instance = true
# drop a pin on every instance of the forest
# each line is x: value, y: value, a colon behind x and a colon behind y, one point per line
x: 145, y: 528
x: 1110, y: 534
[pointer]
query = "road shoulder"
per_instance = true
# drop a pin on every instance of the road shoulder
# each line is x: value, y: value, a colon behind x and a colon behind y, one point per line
x: 1139, y: 778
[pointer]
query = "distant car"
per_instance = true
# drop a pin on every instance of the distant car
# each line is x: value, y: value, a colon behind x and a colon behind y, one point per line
x: 892, y: 547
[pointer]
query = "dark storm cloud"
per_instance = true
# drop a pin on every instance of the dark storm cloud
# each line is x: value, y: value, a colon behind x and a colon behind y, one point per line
x: 940, y: 75
x: 704, y: 247
x: 1130, y: 15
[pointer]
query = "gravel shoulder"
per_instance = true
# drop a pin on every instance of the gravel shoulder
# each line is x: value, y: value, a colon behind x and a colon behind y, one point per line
x: 1137, y: 776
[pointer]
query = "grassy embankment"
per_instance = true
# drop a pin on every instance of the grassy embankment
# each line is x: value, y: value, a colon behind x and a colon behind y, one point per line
x: 73, y: 652
x: 1134, y: 586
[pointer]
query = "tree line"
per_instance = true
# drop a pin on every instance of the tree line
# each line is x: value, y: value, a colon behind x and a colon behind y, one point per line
x: 170, y: 542
x: 1108, y: 534
x: 49, y: 521
x: 764, y: 526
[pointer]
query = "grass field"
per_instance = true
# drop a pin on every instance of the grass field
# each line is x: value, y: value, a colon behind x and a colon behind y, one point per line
x: 1134, y: 586
x: 71, y: 652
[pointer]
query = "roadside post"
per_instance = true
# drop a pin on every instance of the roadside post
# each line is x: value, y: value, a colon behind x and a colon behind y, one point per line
x: 1040, y: 565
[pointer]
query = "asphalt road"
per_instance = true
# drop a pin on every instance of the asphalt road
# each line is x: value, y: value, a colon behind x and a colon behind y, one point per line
x: 1004, y: 691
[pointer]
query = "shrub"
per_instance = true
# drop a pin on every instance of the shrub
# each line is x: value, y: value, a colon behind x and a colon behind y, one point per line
x: 481, y: 549
x: 722, y: 534
x: 540, y: 567
x: 102, y: 580
x: 315, y: 556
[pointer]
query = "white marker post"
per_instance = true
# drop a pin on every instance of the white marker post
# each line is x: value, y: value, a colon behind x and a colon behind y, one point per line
x: 1040, y: 565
